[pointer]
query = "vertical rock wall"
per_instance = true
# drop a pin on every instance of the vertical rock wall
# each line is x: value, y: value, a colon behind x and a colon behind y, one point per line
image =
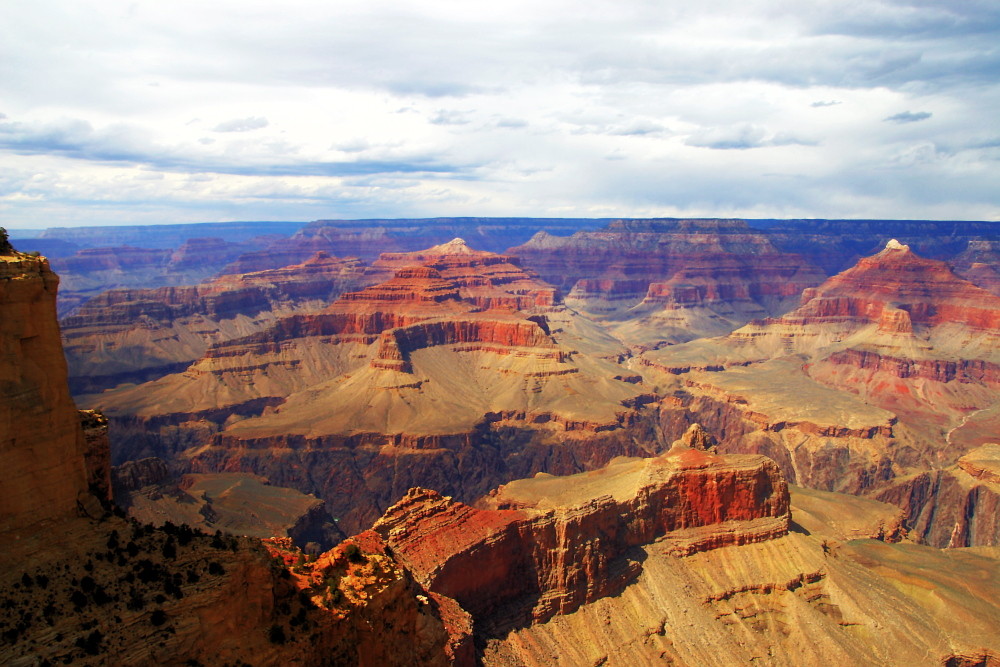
x: 41, y: 440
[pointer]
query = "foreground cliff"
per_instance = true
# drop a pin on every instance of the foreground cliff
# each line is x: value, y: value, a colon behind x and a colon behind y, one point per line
x: 42, y: 446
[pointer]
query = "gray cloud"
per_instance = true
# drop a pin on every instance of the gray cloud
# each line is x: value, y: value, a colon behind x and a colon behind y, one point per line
x: 741, y: 137
x: 908, y: 117
x: 445, y: 117
x: 241, y: 124
x: 78, y: 140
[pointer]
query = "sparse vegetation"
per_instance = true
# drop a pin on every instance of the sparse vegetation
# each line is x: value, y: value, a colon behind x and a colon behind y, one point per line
x: 131, y: 569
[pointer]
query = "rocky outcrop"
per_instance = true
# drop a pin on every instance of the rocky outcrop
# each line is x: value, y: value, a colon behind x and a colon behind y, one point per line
x: 97, y: 453
x: 42, y: 446
x: 548, y: 545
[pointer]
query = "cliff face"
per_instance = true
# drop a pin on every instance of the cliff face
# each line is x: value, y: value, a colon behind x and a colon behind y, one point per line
x: 548, y: 545
x: 42, y: 446
x: 955, y: 507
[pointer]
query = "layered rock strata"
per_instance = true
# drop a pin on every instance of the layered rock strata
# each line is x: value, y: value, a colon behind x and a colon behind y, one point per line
x: 429, y: 367
x: 671, y: 280
x: 134, y: 335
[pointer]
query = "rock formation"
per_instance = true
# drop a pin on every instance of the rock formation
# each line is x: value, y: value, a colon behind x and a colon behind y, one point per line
x: 551, y: 544
x: 43, y: 451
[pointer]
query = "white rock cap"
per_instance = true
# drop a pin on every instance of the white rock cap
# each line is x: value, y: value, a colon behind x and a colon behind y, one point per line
x: 893, y: 244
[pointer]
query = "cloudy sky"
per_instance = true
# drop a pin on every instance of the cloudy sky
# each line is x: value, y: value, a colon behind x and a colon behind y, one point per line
x: 121, y: 111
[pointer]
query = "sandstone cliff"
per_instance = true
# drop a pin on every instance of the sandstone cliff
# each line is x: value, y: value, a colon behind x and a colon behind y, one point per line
x: 42, y: 444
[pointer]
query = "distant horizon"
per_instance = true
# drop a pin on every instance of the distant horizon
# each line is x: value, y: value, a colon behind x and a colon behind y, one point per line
x: 19, y: 232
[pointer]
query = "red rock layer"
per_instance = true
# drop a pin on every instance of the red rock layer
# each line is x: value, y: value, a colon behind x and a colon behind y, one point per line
x: 486, y: 279
x: 481, y: 333
x: 455, y: 284
x: 521, y: 554
x: 896, y: 278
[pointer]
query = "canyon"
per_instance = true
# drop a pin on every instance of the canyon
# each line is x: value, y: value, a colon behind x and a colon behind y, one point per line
x: 661, y: 442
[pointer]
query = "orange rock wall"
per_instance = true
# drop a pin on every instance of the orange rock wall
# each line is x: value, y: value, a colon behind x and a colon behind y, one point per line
x: 41, y: 441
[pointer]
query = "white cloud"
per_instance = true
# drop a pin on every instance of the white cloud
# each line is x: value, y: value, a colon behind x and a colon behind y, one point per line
x: 375, y: 107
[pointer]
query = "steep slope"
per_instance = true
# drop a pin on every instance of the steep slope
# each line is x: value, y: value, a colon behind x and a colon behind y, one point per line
x: 42, y: 445
x: 668, y: 281
x: 134, y: 335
